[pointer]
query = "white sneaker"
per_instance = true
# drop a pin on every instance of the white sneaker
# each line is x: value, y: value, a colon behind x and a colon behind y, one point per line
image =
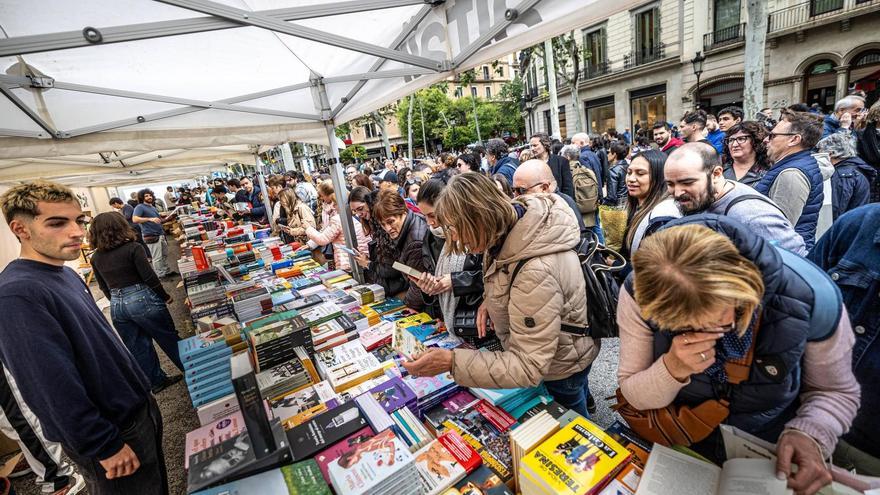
x: 76, y: 485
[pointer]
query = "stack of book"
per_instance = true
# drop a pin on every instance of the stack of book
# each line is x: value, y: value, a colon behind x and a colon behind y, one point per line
x: 294, y: 408
x: 367, y: 294
x: 529, y: 435
x: 344, y: 446
x: 444, y: 462
x: 376, y: 336
x: 320, y: 313
x: 431, y: 390
x: 276, y: 342
x: 410, y: 429
x: 211, y: 434
x: 485, y: 428
x: 394, y: 394
x: 578, y: 459
x: 332, y: 333
x: 338, y: 355
x: 324, y: 430
x: 373, y: 318
x: 354, y: 372
x: 388, y: 306
x: 378, y: 466
x: 279, y: 380
x: 252, y: 303
x: 376, y: 417
x: 205, y: 360
x: 510, y: 399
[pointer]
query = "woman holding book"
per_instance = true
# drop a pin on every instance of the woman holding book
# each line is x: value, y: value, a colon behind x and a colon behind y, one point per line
x: 378, y: 259
x: 727, y: 332
x: 534, y: 292
x: 294, y: 217
x: 331, y: 230
x: 452, y: 283
x: 407, y: 230
x: 137, y: 298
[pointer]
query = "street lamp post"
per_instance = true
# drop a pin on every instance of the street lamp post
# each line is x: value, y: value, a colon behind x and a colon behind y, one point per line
x: 698, y: 70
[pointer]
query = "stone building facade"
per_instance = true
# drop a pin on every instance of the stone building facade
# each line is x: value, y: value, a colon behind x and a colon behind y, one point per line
x: 639, y: 66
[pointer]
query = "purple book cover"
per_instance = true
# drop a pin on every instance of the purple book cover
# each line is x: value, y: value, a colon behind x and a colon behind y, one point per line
x: 393, y: 395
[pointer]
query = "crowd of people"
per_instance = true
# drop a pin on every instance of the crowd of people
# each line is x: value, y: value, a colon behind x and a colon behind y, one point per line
x: 726, y: 310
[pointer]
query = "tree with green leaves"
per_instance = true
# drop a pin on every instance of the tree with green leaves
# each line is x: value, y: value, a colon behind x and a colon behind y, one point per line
x: 353, y: 153
x: 568, y: 57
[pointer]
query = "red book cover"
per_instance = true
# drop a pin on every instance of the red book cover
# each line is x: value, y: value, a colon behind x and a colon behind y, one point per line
x: 463, y: 453
x: 330, y: 454
x: 495, y: 415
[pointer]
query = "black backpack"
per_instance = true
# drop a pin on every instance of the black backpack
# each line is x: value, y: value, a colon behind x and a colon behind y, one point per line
x: 599, y: 265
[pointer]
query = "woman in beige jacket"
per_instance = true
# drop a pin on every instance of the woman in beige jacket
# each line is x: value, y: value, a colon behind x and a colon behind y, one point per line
x: 540, y: 316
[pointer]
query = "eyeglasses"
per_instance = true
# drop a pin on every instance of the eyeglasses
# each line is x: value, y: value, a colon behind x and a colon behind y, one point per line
x: 410, y: 182
x: 772, y: 135
x: 519, y: 191
x: 359, y: 210
x: 738, y: 140
x: 722, y: 329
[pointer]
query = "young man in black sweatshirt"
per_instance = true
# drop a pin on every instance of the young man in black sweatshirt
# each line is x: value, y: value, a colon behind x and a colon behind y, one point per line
x: 69, y: 365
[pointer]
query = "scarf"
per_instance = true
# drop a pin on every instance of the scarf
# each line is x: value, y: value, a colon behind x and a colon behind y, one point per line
x: 730, y: 346
x: 448, y: 263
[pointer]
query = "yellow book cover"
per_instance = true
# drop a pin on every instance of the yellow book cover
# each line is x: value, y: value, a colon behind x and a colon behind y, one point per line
x: 578, y: 460
x: 413, y: 320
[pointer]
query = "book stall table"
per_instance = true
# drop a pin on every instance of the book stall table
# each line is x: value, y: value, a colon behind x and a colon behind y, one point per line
x: 295, y: 374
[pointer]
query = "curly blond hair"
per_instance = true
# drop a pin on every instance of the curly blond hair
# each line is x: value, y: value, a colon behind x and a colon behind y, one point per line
x: 21, y: 200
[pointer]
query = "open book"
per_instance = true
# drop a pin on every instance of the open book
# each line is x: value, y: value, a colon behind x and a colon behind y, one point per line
x: 669, y: 472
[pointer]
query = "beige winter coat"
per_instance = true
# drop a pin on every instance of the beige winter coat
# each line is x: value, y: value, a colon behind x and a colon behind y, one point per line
x: 548, y: 291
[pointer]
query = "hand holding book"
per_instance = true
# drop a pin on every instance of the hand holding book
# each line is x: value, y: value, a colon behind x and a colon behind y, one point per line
x: 431, y: 285
x: 432, y: 362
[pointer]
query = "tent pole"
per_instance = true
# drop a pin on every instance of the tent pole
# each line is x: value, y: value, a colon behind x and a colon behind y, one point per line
x: 338, y: 177
x: 259, y: 166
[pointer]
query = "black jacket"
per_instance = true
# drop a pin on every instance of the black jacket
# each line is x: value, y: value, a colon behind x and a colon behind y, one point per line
x: 408, y: 251
x: 617, y: 193
x: 562, y: 173
x: 467, y: 284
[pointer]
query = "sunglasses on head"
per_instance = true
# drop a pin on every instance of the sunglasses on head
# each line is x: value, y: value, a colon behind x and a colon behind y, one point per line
x: 410, y: 182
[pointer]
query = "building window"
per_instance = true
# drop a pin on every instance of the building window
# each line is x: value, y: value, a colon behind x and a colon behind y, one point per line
x: 864, y: 74
x: 370, y: 130
x: 648, y: 106
x: 647, y: 30
x: 458, y: 92
x: 474, y: 91
x: 500, y: 71
x: 820, y: 84
x: 726, y: 16
x: 486, y: 72
x: 563, y: 128
x: 488, y: 92
x: 600, y: 114
x: 819, y: 7
x: 595, y: 52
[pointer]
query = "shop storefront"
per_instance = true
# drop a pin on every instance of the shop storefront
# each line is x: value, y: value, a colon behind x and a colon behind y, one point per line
x: 647, y: 106
x: 600, y: 114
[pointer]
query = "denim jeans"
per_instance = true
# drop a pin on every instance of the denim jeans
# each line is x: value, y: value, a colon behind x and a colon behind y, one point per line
x: 140, y: 317
x: 572, y: 392
x: 143, y: 434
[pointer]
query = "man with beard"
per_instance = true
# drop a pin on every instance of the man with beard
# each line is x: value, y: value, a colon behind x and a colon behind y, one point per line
x: 664, y: 139
x: 146, y: 215
x: 695, y: 179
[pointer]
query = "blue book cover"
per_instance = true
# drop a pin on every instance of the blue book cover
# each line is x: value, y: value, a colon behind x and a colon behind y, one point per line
x: 221, y: 392
x: 197, y: 345
x: 219, y: 356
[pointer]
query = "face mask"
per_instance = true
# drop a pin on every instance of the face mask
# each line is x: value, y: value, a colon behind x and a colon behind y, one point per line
x: 437, y: 231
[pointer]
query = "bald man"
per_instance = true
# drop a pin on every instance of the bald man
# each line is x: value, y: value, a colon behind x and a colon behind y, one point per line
x: 535, y: 177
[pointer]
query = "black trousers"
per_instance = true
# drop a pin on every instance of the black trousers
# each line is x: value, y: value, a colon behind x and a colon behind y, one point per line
x: 144, y: 435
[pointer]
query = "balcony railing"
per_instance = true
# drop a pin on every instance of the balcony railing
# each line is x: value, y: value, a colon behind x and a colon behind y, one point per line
x: 644, y: 56
x: 723, y: 37
x: 596, y: 70
x: 802, y: 13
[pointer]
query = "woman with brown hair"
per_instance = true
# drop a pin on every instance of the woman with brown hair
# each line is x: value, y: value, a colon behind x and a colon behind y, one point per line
x: 137, y: 298
x: 377, y: 260
x: 331, y: 230
x: 363, y: 180
x: 717, y: 325
x: 407, y: 230
x: 745, y: 154
x: 294, y: 217
x: 534, y: 292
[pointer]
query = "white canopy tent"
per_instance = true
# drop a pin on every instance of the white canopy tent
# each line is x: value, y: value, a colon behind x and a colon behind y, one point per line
x: 103, y: 87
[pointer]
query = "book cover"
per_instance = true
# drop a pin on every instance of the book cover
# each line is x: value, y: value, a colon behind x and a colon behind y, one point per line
x: 340, y: 354
x: 497, y: 417
x: 482, y: 482
x: 212, y: 434
x: 234, y: 459
x: 252, y: 407
x: 295, y: 408
x: 330, y: 454
x: 301, y: 478
x: 388, y: 306
x: 580, y: 458
x: 491, y: 443
x: 463, y: 453
x: 372, y: 462
x: 378, y: 335
x: 393, y: 394
x: 438, y: 468
x: 324, y: 430
x: 424, y: 386
x: 638, y: 447
x: 218, y: 409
